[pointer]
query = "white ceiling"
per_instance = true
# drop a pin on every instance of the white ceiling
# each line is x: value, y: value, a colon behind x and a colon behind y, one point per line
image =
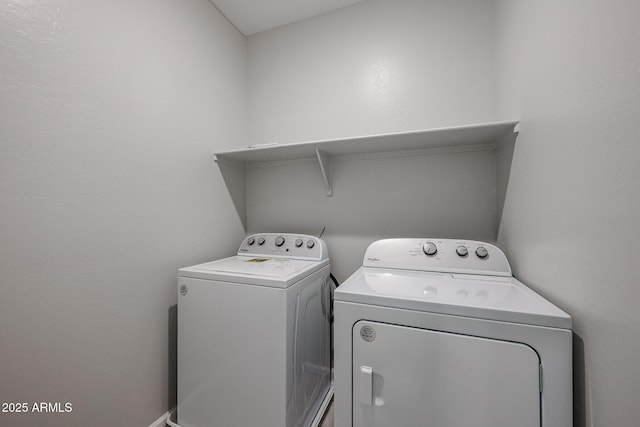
x: 253, y: 16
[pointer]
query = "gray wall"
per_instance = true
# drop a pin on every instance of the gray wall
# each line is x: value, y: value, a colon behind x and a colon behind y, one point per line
x: 446, y: 194
x: 110, y: 110
x: 570, y: 225
x: 109, y: 113
x: 375, y: 67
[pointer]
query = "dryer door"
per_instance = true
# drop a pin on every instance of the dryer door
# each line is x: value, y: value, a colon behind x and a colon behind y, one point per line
x: 411, y: 377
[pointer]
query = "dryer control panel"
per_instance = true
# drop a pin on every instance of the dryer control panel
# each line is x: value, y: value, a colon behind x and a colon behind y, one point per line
x: 439, y: 255
x: 284, y: 245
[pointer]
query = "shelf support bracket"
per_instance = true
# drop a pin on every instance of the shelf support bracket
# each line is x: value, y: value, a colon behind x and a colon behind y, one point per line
x: 325, y: 168
x: 233, y: 174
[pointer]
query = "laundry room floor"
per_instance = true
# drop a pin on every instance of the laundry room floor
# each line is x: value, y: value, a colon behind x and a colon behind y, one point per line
x: 327, y: 421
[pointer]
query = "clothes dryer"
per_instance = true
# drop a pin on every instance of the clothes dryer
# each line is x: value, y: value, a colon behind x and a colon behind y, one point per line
x: 437, y: 332
x: 254, y: 335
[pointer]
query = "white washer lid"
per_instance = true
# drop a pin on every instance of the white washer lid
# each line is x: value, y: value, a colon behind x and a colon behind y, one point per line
x: 263, y: 271
x: 477, y: 296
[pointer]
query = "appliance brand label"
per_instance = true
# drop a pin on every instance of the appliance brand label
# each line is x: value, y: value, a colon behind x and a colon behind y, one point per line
x: 183, y: 290
x: 367, y: 333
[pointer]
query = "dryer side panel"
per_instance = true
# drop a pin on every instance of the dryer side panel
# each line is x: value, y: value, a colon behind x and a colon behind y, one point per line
x: 407, y: 377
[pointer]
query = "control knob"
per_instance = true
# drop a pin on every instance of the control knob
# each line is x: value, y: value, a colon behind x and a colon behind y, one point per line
x: 299, y: 243
x: 430, y: 249
x: 311, y: 244
x: 482, y: 252
x: 251, y: 241
x: 261, y: 241
x: 462, y: 251
x: 279, y: 241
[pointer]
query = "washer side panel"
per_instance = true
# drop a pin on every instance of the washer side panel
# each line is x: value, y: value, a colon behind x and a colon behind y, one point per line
x: 231, y: 354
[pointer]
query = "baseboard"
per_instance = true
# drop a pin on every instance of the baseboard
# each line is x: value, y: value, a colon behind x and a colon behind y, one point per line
x: 160, y: 422
x: 323, y: 407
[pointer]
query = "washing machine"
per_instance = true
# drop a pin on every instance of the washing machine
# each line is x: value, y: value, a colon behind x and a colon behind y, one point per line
x: 254, y: 335
x: 437, y: 332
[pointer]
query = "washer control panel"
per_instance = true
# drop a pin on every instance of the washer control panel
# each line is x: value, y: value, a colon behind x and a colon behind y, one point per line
x: 440, y: 255
x: 284, y: 245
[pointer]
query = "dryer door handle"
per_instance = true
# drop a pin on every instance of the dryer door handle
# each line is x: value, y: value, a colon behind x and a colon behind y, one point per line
x: 366, y: 385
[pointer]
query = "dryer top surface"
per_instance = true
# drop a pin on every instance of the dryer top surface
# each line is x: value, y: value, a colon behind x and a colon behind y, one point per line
x: 469, y: 295
x: 448, y: 276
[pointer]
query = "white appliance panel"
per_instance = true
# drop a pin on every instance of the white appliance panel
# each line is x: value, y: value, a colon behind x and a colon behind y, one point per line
x: 553, y: 346
x: 485, y: 297
x: 256, y: 266
x: 446, y: 344
x: 429, y: 254
x: 407, y: 377
x: 222, y: 328
x: 266, y: 259
x: 244, y: 346
x: 290, y: 246
x: 310, y: 368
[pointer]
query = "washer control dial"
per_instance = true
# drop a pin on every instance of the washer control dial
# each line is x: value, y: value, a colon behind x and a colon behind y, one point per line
x: 251, y: 241
x: 430, y: 249
x: 482, y: 252
x: 462, y: 251
x: 310, y: 244
x: 299, y: 243
x: 279, y: 241
x: 261, y: 241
